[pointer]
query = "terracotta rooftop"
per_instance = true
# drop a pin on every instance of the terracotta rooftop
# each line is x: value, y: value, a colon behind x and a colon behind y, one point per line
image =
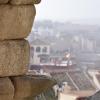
x: 58, y: 69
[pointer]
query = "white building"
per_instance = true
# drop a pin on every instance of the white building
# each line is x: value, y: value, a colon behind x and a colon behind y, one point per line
x: 39, y: 52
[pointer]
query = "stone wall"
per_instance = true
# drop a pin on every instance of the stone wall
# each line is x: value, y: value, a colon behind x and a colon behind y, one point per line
x: 16, y: 20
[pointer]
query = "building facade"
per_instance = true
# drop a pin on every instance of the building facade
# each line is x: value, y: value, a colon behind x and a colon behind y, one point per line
x: 40, y: 52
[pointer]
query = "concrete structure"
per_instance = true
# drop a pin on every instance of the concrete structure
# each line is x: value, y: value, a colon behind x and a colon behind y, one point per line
x: 40, y: 52
x: 83, y: 44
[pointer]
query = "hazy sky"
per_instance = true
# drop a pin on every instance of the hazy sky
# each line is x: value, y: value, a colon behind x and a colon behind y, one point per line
x: 68, y: 9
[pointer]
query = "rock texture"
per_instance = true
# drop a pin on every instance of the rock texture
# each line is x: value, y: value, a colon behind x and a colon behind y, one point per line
x: 6, y: 89
x: 28, y: 86
x: 18, y: 2
x: 19, y: 99
x: 3, y: 1
x: 14, y: 57
x: 16, y: 21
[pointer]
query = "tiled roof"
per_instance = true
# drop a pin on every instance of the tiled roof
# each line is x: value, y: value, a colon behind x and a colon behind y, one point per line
x: 62, y: 77
x: 81, y: 80
x: 77, y: 80
x: 58, y: 69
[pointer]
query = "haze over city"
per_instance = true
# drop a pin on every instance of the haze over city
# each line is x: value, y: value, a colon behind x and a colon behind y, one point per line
x: 65, y: 45
x: 85, y: 11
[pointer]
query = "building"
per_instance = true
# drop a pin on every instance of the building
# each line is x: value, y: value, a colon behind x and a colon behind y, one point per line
x: 40, y: 52
x: 77, y: 95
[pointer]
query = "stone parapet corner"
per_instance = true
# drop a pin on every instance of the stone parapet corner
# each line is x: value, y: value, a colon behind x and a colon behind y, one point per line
x: 31, y: 85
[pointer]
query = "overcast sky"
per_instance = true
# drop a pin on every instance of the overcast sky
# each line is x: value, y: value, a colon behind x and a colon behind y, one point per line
x: 64, y: 10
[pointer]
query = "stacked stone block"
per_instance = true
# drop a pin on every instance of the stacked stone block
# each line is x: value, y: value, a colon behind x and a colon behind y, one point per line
x: 14, y: 57
x: 16, y: 20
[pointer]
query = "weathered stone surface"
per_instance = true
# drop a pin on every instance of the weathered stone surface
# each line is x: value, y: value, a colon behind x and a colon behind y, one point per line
x: 14, y: 57
x: 16, y: 21
x: 3, y: 1
x: 19, y: 99
x: 6, y: 89
x: 28, y: 98
x: 18, y: 2
x: 30, y: 86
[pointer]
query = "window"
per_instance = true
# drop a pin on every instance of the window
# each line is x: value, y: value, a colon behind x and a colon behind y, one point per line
x: 38, y: 49
x: 44, y: 49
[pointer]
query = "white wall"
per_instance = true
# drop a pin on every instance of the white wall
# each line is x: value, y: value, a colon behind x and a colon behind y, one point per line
x: 36, y: 59
x: 66, y: 97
